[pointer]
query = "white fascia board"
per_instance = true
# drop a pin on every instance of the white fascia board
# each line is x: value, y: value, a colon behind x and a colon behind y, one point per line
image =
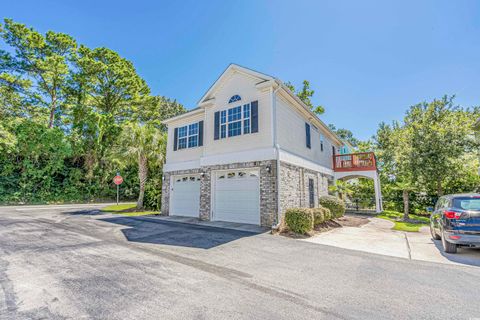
x: 242, y: 156
x: 184, y: 165
x: 299, y: 161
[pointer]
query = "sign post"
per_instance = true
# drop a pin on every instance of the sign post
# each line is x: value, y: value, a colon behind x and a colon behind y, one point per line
x: 118, y: 181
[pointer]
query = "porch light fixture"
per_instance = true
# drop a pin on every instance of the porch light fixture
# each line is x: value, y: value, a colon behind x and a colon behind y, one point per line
x: 269, y: 168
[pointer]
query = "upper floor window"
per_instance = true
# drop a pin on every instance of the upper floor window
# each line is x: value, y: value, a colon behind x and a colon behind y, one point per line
x: 235, y: 121
x: 242, y: 119
x: 188, y: 136
x: 321, y: 142
x: 234, y: 98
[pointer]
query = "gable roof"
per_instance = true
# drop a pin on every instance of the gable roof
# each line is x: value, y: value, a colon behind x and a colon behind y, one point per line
x: 226, y: 73
x: 262, y: 77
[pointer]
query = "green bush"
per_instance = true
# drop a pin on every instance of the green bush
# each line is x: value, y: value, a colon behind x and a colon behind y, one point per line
x: 334, y: 204
x: 321, y: 215
x: 299, y: 220
x: 327, y: 214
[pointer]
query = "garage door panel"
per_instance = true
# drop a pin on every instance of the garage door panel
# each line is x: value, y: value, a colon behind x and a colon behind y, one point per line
x: 237, y: 198
x: 185, y: 197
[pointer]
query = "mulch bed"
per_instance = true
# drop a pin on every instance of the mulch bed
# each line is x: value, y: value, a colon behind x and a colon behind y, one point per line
x: 349, y: 220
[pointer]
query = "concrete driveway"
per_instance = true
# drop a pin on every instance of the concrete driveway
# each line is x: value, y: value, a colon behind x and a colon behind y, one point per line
x: 75, y: 263
x: 378, y: 237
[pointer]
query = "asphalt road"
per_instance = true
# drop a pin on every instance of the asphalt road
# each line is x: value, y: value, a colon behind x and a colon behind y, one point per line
x: 71, y: 263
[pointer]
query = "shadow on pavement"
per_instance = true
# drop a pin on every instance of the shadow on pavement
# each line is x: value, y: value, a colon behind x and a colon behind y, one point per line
x: 145, y: 230
x: 86, y: 212
x: 467, y: 256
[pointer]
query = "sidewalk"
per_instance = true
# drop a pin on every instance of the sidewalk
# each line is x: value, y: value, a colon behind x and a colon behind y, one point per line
x: 377, y: 237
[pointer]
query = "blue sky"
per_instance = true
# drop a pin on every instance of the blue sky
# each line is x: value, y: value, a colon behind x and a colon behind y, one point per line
x: 368, y: 61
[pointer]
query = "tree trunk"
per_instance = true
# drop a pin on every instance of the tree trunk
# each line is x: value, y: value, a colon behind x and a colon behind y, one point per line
x: 439, y: 188
x: 406, y: 205
x: 142, y: 177
x: 53, y: 108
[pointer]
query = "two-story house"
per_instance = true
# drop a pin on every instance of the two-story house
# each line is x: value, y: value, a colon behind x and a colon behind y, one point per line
x: 250, y: 150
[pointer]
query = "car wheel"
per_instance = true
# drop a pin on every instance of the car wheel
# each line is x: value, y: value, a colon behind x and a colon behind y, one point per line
x: 447, y: 246
x: 435, y: 236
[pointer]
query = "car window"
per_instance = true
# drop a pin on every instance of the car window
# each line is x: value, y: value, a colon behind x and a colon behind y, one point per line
x: 467, y: 203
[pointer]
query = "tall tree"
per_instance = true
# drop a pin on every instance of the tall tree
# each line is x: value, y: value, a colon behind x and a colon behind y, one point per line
x: 158, y: 108
x: 142, y: 144
x: 305, y: 94
x: 441, y: 140
x: 106, y: 91
x: 43, y: 59
x: 345, y: 135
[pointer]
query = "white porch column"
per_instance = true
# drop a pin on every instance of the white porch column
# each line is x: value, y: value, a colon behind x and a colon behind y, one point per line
x: 378, y: 193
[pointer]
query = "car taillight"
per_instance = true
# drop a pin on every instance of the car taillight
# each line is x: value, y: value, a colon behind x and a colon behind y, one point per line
x: 452, y: 214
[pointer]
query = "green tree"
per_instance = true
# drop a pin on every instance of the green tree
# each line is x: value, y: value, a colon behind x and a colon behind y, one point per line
x: 305, y: 94
x: 42, y: 59
x: 440, y: 139
x: 343, y: 188
x: 430, y: 151
x: 345, y: 135
x: 105, y: 92
x: 158, y: 108
x: 141, y: 144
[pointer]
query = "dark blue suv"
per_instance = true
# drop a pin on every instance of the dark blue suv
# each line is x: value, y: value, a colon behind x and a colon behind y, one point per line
x: 456, y: 221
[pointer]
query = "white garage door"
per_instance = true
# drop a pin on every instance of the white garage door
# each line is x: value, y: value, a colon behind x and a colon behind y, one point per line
x: 237, y: 196
x: 185, y: 196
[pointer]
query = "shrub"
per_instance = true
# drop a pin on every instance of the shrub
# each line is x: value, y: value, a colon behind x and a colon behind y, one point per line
x: 327, y: 214
x: 321, y: 215
x: 334, y: 204
x: 299, y: 220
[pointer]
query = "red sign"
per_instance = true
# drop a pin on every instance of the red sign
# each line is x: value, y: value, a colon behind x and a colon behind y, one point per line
x: 118, y: 180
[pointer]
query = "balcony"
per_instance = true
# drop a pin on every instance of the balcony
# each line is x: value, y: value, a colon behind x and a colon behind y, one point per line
x: 364, y: 161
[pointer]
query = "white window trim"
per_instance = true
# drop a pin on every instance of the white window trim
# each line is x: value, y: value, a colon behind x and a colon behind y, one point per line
x: 241, y: 120
x: 187, y: 137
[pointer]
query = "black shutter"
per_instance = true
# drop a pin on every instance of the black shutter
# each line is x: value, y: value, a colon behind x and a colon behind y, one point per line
x: 200, y: 133
x: 307, y: 132
x: 175, y: 139
x: 254, y: 116
x: 311, y: 193
x: 217, y: 126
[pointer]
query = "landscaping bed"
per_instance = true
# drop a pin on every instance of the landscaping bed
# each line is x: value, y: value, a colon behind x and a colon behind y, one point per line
x: 412, y: 225
x: 345, y: 221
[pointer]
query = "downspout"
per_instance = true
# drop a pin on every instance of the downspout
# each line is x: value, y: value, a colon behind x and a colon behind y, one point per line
x: 277, y: 154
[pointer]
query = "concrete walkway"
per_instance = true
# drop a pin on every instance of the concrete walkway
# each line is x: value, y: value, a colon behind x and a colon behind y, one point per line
x: 377, y: 237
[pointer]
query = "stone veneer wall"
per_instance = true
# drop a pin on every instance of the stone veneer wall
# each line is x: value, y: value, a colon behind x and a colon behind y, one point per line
x: 268, y: 195
x: 294, y: 186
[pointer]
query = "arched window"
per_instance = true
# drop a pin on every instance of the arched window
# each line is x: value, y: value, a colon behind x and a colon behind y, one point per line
x: 234, y: 98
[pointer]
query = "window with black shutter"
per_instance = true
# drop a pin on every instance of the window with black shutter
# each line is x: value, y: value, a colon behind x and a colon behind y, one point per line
x: 307, y: 135
x: 311, y: 193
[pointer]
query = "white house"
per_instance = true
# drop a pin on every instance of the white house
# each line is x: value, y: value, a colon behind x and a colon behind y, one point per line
x: 250, y: 150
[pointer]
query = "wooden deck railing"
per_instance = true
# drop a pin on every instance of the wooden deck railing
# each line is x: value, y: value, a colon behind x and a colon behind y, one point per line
x: 354, y: 162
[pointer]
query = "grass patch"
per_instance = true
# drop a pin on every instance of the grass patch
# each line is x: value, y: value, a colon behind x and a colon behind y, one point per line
x: 126, y: 209
x: 413, y: 225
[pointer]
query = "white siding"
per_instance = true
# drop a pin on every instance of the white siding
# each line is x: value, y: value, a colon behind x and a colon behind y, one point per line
x: 187, y: 154
x: 292, y: 138
x: 244, y: 86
